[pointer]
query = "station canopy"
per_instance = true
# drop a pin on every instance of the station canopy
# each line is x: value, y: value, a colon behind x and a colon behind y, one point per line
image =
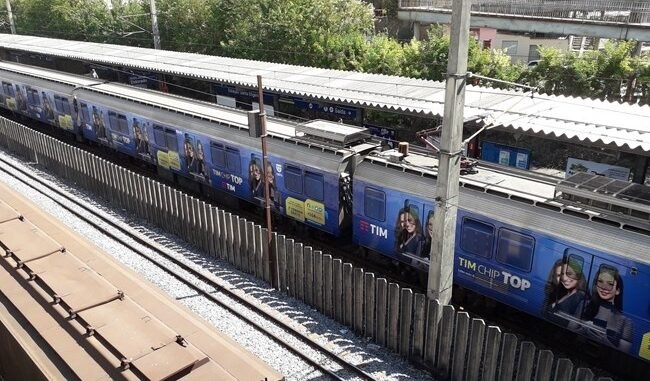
x: 610, y: 124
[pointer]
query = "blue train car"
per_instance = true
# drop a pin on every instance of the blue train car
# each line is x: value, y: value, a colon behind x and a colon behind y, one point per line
x: 50, y: 102
x: 588, y: 277
x: 516, y: 242
x: 211, y: 144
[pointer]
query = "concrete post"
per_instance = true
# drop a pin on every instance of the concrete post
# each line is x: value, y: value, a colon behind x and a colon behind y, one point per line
x: 442, y: 246
x: 154, y: 26
x: 10, y: 16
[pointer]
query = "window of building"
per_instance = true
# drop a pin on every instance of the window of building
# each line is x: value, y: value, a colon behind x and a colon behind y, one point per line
x: 510, y: 47
x: 533, y: 53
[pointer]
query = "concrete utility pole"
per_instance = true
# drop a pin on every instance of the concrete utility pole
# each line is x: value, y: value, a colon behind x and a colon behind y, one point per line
x: 10, y: 16
x: 275, y: 283
x: 441, y: 267
x: 154, y: 26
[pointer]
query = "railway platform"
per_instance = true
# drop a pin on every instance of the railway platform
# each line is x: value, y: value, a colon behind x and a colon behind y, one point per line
x: 70, y: 311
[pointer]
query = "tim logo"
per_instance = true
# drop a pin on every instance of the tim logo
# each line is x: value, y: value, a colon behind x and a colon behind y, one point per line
x: 373, y: 229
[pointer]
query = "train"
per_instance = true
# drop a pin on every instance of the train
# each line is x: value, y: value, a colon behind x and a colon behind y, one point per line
x: 574, y: 252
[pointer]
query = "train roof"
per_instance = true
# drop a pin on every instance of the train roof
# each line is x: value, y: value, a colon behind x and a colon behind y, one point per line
x: 231, y: 130
x: 335, y: 136
x: 513, y: 198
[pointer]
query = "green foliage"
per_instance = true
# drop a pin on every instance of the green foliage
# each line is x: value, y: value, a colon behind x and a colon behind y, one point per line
x: 598, y: 74
x: 336, y: 34
x: 295, y: 31
x: 187, y: 25
x: 84, y: 20
x: 384, y: 56
x: 435, y: 51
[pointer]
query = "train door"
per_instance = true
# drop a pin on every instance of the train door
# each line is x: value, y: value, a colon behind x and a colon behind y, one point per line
x: 427, y: 232
x: 614, y: 299
x: 256, y: 179
x: 567, y: 287
x: 410, y: 233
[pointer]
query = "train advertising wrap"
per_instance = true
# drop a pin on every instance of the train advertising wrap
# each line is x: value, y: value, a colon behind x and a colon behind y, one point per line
x: 403, y: 230
x: 583, y: 275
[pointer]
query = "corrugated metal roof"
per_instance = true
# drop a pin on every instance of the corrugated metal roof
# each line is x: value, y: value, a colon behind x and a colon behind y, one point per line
x: 622, y: 125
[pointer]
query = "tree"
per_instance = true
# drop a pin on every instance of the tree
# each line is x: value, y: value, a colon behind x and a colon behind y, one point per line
x: 596, y: 74
x: 84, y: 20
x: 293, y: 31
x: 188, y: 25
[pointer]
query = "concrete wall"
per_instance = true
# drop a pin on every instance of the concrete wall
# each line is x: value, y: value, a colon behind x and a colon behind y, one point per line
x: 519, y: 45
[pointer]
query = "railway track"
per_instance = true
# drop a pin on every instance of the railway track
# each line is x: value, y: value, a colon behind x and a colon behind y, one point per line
x: 207, y: 286
x: 478, y: 309
x: 76, y: 314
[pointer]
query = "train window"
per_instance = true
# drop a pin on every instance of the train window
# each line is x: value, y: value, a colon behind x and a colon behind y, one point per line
x: 293, y: 179
x: 477, y: 237
x: 112, y: 120
x: 65, y: 106
x: 123, y: 125
x: 8, y: 89
x: 233, y: 162
x: 515, y: 249
x: 159, y: 136
x: 218, y: 155
x: 32, y: 97
x: 170, y: 140
x: 374, y: 204
x: 37, y: 99
x: 576, y: 259
x: 314, y: 187
x: 84, y: 113
x: 57, y: 103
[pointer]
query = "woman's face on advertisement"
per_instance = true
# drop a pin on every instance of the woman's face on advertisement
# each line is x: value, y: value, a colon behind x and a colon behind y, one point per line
x: 255, y: 172
x: 407, y: 222
x: 607, y: 287
x: 269, y: 173
x: 569, y: 277
x: 430, y: 226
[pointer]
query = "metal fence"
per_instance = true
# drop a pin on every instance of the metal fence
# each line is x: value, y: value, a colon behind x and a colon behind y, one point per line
x: 450, y: 343
x: 626, y: 12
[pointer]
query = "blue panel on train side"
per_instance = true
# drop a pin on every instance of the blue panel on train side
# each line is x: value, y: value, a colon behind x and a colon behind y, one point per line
x: 245, y: 179
x: 101, y: 124
x: 43, y: 105
x: 590, y: 292
x: 400, y: 231
x: 593, y: 293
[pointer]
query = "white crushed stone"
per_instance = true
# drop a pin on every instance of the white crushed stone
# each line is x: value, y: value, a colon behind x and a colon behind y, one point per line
x: 375, y: 360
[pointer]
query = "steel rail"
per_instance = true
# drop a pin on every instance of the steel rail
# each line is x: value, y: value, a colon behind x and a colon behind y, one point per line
x: 168, y: 255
